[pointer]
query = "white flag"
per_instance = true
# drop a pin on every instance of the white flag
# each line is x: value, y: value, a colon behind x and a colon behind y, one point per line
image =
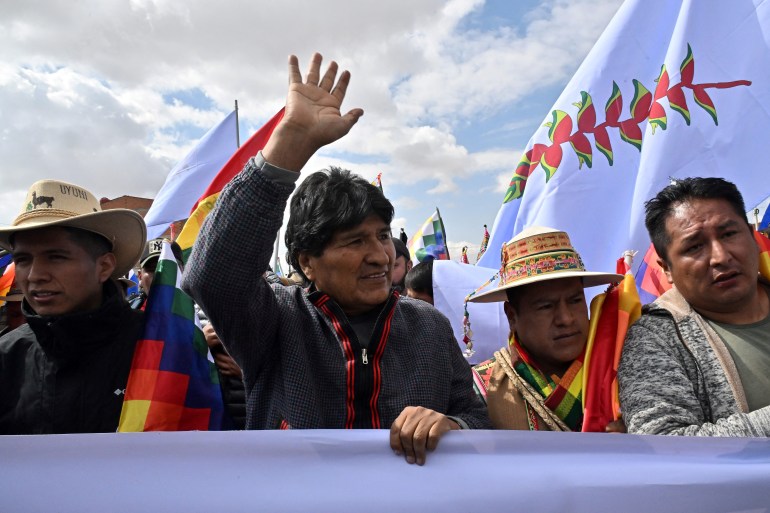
x: 190, y: 177
x: 672, y: 89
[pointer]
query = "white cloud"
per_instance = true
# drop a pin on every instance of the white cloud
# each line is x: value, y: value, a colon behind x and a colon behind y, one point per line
x: 85, y: 84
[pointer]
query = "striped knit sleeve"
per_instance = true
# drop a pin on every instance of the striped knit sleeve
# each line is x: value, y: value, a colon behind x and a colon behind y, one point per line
x: 662, y: 390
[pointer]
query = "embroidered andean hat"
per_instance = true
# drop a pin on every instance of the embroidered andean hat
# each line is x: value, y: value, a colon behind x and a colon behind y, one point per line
x: 52, y: 203
x: 537, y: 254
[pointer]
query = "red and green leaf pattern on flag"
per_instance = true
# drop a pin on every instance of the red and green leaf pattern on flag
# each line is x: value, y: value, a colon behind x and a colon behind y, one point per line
x: 658, y: 118
x: 631, y: 133
x: 678, y: 102
x: 582, y: 148
x: 586, y: 116
x: 560, y: 127
x: 687, y: 69
x: 644, y: 107
x: 703, y: 99
x: 614, y: 106
x: 640, y: 105
x: 551, y: 160
x: 603, y: 144
x: 527, y: 164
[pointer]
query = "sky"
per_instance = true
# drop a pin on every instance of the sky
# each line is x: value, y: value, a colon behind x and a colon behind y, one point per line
x: 109, y: 95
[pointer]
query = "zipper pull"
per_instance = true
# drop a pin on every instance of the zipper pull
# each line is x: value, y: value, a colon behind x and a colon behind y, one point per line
x: 364, y: 357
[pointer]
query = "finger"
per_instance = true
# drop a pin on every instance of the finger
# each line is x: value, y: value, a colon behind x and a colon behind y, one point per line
x: 295, y: 76
x: 395, y: 434
x: 328, y: 80
x: 406, y: 436
x: 314, y: 72
x: 342, y: 86
x: 420, y: 439
x: 351, y: 118
x: 436, y: 432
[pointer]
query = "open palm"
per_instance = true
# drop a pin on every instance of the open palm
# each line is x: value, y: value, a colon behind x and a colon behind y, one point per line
x: 313, y: 105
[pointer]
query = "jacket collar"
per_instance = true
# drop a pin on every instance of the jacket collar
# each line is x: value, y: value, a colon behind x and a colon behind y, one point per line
x: 71, y: 335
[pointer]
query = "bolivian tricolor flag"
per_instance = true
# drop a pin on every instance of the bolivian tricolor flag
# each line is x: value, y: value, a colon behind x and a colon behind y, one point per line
x: 612, y: 313
x: 764, y: 254
x: 234, y: 166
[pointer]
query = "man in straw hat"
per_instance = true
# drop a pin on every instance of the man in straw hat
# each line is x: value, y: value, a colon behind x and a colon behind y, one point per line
x: 65, y: 371
x: 534, y: 382
x: 697, y: 362
x: 348, y: 352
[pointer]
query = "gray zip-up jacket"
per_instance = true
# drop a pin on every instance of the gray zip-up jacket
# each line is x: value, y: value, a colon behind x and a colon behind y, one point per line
x: 303, y: 366
x: 677, y: 377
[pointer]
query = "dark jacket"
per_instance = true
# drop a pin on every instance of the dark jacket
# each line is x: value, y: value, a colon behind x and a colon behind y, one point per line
x: 234, y: 397
x: 68, y: 374
x: 303, y: 366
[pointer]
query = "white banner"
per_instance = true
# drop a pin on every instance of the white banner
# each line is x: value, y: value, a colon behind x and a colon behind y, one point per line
x: 334, y: 470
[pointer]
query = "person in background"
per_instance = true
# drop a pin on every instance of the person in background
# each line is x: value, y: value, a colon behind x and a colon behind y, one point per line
x: 403, y: 237
x: 419, y: 282
x: 230, y: 378
x: 148, y: 264
x: 401, y: 266
x: 12, y: 314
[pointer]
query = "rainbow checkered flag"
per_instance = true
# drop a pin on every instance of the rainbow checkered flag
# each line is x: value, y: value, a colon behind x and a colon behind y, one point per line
x: 429, y: 243
x: 173, y: 385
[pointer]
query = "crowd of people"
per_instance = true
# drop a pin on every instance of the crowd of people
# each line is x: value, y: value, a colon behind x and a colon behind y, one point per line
x: 358, y: 343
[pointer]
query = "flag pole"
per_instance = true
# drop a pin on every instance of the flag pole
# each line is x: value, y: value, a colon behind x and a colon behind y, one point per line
x: 443, y: 230
x: 237, y: 127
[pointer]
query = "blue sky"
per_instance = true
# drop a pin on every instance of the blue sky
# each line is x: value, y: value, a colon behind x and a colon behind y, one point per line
x: 110, y: 95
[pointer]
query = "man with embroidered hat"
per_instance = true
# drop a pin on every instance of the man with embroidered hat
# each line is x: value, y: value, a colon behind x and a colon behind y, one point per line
x: 535, y: 381
x: 65, y: 371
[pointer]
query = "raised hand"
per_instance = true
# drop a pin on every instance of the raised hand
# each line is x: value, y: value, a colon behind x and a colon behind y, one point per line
x: 312, y: 118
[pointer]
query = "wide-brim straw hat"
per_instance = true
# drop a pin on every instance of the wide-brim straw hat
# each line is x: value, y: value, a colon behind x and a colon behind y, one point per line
x: 51, y: 203
x: 538, y: 254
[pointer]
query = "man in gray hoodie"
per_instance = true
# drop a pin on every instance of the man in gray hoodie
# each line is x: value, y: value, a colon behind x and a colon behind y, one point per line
x: 698, y: 360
